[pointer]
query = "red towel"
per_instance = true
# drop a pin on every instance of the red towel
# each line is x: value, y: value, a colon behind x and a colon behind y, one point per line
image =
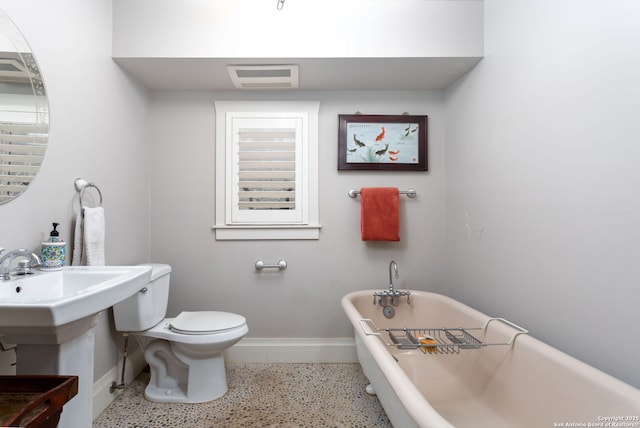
x: 380, y: 214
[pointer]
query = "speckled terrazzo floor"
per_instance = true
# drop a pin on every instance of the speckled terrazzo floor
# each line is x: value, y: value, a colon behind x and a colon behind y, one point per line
x: 260, y: 395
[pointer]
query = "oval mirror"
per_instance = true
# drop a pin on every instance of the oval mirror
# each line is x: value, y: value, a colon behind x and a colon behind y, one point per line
x: 24, y: 112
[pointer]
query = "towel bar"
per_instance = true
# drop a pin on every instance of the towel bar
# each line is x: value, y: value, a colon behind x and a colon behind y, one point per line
x: 411, y: 193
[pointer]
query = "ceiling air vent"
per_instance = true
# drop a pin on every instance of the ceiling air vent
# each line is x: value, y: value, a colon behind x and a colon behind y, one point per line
x: 264, y: 76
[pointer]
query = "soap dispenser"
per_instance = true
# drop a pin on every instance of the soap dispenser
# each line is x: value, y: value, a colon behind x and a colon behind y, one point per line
x: 53, y: 251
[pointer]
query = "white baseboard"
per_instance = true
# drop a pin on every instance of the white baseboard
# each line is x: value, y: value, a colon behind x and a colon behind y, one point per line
x: 102, y: 397
x: 248, y: 350
x: 293, y: 350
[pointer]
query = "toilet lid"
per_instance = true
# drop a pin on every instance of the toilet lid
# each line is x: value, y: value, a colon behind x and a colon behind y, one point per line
x: 206, y: 322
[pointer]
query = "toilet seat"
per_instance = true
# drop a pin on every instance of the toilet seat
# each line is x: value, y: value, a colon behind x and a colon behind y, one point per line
x: 206, y: 322
x: 164, y: 330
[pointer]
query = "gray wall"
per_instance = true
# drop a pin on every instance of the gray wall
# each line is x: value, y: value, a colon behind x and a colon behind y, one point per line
x: 542, y: 173
x: 304, y: 300
x: 540, y: 208
x: 98, y: 132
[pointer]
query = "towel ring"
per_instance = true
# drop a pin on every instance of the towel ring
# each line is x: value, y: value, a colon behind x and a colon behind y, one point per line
x: 82, y: 185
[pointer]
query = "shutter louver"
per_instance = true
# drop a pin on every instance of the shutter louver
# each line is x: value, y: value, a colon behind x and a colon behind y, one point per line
x: 266, y: 169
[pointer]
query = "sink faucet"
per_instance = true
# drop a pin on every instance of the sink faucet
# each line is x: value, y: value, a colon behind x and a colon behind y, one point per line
x: 392, y: 293
x: 5, y: 261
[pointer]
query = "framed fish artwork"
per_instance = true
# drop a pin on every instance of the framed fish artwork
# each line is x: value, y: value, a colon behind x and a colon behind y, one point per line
x: 382, y: 142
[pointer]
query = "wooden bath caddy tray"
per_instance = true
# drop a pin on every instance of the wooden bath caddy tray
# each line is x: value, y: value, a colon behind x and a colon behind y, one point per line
x: 34, y: 401
x: 436, y: 340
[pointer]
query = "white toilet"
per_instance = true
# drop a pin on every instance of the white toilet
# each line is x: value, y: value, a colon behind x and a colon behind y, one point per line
x: 184, y: 353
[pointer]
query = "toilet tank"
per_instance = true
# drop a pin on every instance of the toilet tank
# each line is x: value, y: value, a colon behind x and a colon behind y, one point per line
x: 148, y: 306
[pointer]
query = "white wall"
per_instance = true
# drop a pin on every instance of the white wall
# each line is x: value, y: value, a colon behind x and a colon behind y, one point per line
x: 98, y: 132
x: 304, y: 300
x: 302, y: 29
x: 543, y: 158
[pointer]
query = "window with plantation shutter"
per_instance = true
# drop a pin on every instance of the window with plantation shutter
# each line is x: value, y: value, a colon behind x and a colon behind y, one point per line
x: 266, y: 170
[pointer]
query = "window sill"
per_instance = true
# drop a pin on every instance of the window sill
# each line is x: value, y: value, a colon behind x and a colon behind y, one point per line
x: 271, y: 232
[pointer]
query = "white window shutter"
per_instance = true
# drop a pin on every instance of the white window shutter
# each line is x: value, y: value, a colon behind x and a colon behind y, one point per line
x: 266, y: 170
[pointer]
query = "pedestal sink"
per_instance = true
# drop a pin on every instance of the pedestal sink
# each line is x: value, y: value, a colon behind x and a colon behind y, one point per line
x: 51, y: 317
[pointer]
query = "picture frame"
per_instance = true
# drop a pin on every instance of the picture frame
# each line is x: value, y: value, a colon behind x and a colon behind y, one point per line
x: 382, y: 142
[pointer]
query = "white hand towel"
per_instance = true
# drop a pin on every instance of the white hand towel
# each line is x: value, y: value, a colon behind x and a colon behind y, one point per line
x: 93, y: 248
x: 77, y: 241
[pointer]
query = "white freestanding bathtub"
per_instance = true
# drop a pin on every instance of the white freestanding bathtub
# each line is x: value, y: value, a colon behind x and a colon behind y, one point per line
x: 457, y: 383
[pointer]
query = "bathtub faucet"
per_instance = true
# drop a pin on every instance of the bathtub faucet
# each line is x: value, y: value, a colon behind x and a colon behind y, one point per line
x: 391, y: 293
x: 393, y: 268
